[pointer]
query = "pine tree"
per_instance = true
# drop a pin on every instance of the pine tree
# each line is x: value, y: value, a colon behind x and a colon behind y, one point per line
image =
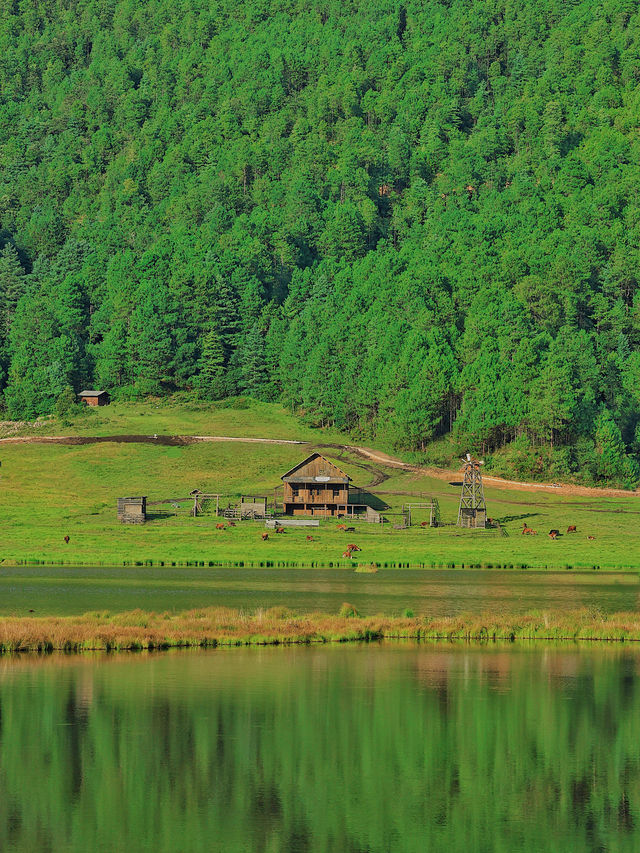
x: 252, y: 366
x: 12, y: 285
x: 150, y: 340
x: 609, y: 447
x: 212, y: 381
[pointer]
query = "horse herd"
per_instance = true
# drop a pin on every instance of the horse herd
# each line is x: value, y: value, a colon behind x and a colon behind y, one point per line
x: 553, y: 534
x: 351, y: 549
x: 349, y: 552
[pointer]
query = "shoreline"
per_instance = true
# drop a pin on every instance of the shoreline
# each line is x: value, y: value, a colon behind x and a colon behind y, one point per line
x: 344, y: 564
x: 138, y: 630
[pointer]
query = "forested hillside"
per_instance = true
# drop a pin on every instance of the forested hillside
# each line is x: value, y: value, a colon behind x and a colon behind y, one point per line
x: 407, y: 220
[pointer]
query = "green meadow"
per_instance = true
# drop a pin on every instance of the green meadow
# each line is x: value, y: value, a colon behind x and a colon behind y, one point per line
x: 51, y: 490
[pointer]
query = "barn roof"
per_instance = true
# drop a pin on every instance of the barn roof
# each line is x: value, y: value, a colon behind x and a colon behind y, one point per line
x: 91, y: 393
x: 314, y: 467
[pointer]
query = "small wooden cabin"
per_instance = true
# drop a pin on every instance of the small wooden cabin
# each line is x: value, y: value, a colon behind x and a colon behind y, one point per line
x: 132, y: 510
x: 94, y: 398
x: 316, y: 487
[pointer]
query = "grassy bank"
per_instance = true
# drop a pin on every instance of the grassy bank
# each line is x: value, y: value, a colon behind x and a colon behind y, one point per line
x: 213, y: 627
x: 49, y: 491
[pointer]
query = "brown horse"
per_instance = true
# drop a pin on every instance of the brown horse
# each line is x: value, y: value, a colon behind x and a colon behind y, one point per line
x: 572, y: 528
x: 265, y: 536
x: 553, y: 534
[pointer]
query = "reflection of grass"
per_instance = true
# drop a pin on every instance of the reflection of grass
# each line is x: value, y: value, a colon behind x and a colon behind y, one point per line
x: 49, y: 491
x: 222, y: 626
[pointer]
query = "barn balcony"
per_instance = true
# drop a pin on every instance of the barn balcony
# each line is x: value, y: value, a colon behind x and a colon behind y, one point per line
x: 306, y: 498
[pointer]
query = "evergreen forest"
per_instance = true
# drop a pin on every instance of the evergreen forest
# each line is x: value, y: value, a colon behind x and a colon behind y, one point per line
x: 415, y: 220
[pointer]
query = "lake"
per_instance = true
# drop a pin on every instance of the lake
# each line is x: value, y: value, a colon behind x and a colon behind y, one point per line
x: 54, y: 590
x: 383, y: 748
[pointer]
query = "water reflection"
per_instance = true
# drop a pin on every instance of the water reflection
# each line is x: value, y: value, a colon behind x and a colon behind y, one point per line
x: 356, y: 748
x: 426, y: 592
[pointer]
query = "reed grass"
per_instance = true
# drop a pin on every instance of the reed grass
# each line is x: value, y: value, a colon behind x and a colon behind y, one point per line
x: 218, y: 626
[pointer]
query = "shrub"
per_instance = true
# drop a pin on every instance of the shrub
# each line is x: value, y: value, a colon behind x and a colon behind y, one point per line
x: 66, y: 406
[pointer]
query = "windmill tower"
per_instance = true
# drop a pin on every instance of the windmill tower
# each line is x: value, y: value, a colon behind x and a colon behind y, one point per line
x: 473, y: 509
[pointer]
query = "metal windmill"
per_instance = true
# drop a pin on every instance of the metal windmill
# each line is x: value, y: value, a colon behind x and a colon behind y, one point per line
x: 473, y: 508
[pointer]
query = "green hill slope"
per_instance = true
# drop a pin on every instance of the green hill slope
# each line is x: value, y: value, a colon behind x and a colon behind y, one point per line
x: 406, y: 220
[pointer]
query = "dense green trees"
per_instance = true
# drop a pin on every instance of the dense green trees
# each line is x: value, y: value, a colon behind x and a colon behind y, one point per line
x: 408, y: 220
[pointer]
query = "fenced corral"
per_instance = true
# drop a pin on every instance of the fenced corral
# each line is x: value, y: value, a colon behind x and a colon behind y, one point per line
x: 198, y: 504
x: 250, y: 508
x: 132, y: 510
x: 398, y: 520
x: 426, y: 509
x: 202, y: 502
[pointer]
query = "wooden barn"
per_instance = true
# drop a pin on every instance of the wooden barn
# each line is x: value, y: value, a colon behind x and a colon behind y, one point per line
x: 316, y: 487
x: 94, y: 398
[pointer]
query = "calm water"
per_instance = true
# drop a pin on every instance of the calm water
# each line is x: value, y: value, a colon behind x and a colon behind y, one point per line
x: 56, y: 590
x: 382, y: 749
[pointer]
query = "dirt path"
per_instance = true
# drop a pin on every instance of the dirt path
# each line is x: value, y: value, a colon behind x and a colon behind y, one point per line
x: 378, y: 473
x: 448, y: 475
x: 164, y: 440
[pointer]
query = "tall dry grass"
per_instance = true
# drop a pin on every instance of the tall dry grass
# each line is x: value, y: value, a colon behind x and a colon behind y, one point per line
x: 215, y: 626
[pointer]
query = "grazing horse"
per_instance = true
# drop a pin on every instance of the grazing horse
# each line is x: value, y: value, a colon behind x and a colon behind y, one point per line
x: 347, y: 554
x: 265, y: 536
x: 309, y: 538
x: 353, y: 548
x: 525, y: 529
x: 424, y: 524
x: 572, y: 529
x: 279, y: 529
x: 220, y: 527
x: 342, y: 527
x: 591, y: 538
x: 349, y: 530
x: 553, y: 534
x: 67, y: 539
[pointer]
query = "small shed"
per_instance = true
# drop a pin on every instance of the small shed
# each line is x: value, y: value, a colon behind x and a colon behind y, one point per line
x: 473, y: 517
x: 132, y: 510
x: 94, y: 398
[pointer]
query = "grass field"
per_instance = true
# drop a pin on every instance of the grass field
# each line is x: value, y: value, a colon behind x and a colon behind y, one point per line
x: 49, y: 491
